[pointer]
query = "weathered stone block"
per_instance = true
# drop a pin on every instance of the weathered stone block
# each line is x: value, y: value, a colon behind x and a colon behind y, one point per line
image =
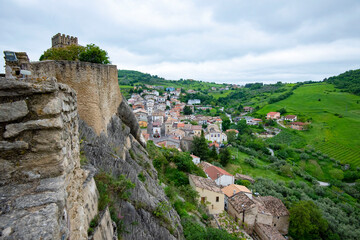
x: 12, y: 111
x: 53, y: 107
x: 35, y: 200
x: 9, y: 87
x: 13, y: 130
x: 18, y: 145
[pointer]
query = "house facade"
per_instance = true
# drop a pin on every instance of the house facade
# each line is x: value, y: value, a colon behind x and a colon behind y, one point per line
x: 209, y: 193
x: 273, y: 115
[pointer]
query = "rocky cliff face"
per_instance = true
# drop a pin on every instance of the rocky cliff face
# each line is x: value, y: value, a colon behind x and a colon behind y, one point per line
x: 111, y: 140
x: 43, y: 191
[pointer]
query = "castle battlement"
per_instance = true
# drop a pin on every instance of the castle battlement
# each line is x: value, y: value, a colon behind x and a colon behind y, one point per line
x: 62, y: 40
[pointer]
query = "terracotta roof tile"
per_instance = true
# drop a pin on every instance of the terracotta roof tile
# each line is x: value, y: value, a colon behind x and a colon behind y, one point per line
x: 215, y: 172
x: 274, y: 205
x: 205, y: 183
x: 229, y: 190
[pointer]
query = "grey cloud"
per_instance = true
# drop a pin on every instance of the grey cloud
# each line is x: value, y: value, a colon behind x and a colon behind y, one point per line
x: 209, y: 40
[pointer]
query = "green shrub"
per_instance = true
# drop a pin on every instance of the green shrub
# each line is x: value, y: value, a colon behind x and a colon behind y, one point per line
x: 141, y: 177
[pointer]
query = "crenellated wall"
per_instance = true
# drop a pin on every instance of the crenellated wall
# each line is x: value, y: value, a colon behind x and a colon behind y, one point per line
x: 44, y: 194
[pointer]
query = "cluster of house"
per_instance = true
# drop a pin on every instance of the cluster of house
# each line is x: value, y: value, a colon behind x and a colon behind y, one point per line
x: 161, y: 120
x: 294, y: 124
x: 263, y: 216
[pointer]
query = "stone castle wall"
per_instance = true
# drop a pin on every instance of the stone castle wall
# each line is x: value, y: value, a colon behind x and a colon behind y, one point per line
x: 96, y: 86
x: 44, y: 194
x: 62, y: 40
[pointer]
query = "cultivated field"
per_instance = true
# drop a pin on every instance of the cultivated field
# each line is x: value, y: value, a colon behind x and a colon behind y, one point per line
x: 334, y: 116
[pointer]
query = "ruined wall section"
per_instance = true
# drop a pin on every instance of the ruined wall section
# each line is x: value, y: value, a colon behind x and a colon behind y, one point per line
x: 44, y: 194
x: 96, y: 86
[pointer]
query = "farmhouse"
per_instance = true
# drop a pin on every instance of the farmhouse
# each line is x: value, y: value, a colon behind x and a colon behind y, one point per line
x: 233, y: 189
x: 273, y: 115
x: 210, y: 194
x: 243, y: 209
x: 279, y: 213
x: 291, y: 118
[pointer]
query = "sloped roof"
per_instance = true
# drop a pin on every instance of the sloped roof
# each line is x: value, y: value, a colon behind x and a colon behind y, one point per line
x: 229, y: 190
x: 241, y: 201
x: 273, y: 113
x: 290, y: 116
x: 204, y: 165
x: 205, y: 183
x: 215, y: 172
x: 274, y: 205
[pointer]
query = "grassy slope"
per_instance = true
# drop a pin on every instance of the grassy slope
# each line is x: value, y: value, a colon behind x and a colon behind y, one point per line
x: 238, y: 165
x: 337, y: 137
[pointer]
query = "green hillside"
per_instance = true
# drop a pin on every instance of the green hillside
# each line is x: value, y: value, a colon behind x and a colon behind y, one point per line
x: 334, y: 115
x: 130, y: 77
x: 348, y: 81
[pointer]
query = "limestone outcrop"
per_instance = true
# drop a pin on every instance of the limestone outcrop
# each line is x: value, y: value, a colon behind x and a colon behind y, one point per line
x: 44, y: 192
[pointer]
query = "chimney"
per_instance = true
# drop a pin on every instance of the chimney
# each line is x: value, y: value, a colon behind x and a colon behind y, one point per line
x: 234, y: 192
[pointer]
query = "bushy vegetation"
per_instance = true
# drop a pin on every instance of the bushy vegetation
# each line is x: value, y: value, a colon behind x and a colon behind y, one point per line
x: 110, y: 190
x: 317, y: 207
x: 172, y: 167
x: 348, y: 81
x: 90, y: 53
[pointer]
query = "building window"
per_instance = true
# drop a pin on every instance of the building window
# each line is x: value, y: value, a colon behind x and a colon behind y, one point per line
x: 217, y: 199
x: 275, y: 225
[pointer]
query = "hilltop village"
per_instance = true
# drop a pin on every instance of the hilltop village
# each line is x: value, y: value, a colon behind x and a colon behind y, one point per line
x: 192, y: 160
x: 170, y: 123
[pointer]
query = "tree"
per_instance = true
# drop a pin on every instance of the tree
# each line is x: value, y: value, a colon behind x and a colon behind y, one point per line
x: 213, y: 153
x: 70, y: 53
x: 306, y: 221
x: 231, y: 136
x: 226, y: 123
x: 94, y: 54
x: 199, y: 147
x: 90, y: 53
x: 187, y: 110
x: 225, y: 156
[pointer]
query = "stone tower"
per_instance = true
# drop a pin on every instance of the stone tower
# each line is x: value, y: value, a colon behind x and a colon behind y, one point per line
x: 60, y: 40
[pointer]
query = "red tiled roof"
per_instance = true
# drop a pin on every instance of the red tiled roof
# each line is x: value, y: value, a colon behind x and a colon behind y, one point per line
x: 232, y: 130
x: 257, y: 119
x: 273, y: 113
x: 290, y: 116
x: 214, y: 143
x: 215, y: 172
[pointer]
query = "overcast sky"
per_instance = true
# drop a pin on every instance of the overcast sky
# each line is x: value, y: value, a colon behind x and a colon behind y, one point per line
x: 233, y: 41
